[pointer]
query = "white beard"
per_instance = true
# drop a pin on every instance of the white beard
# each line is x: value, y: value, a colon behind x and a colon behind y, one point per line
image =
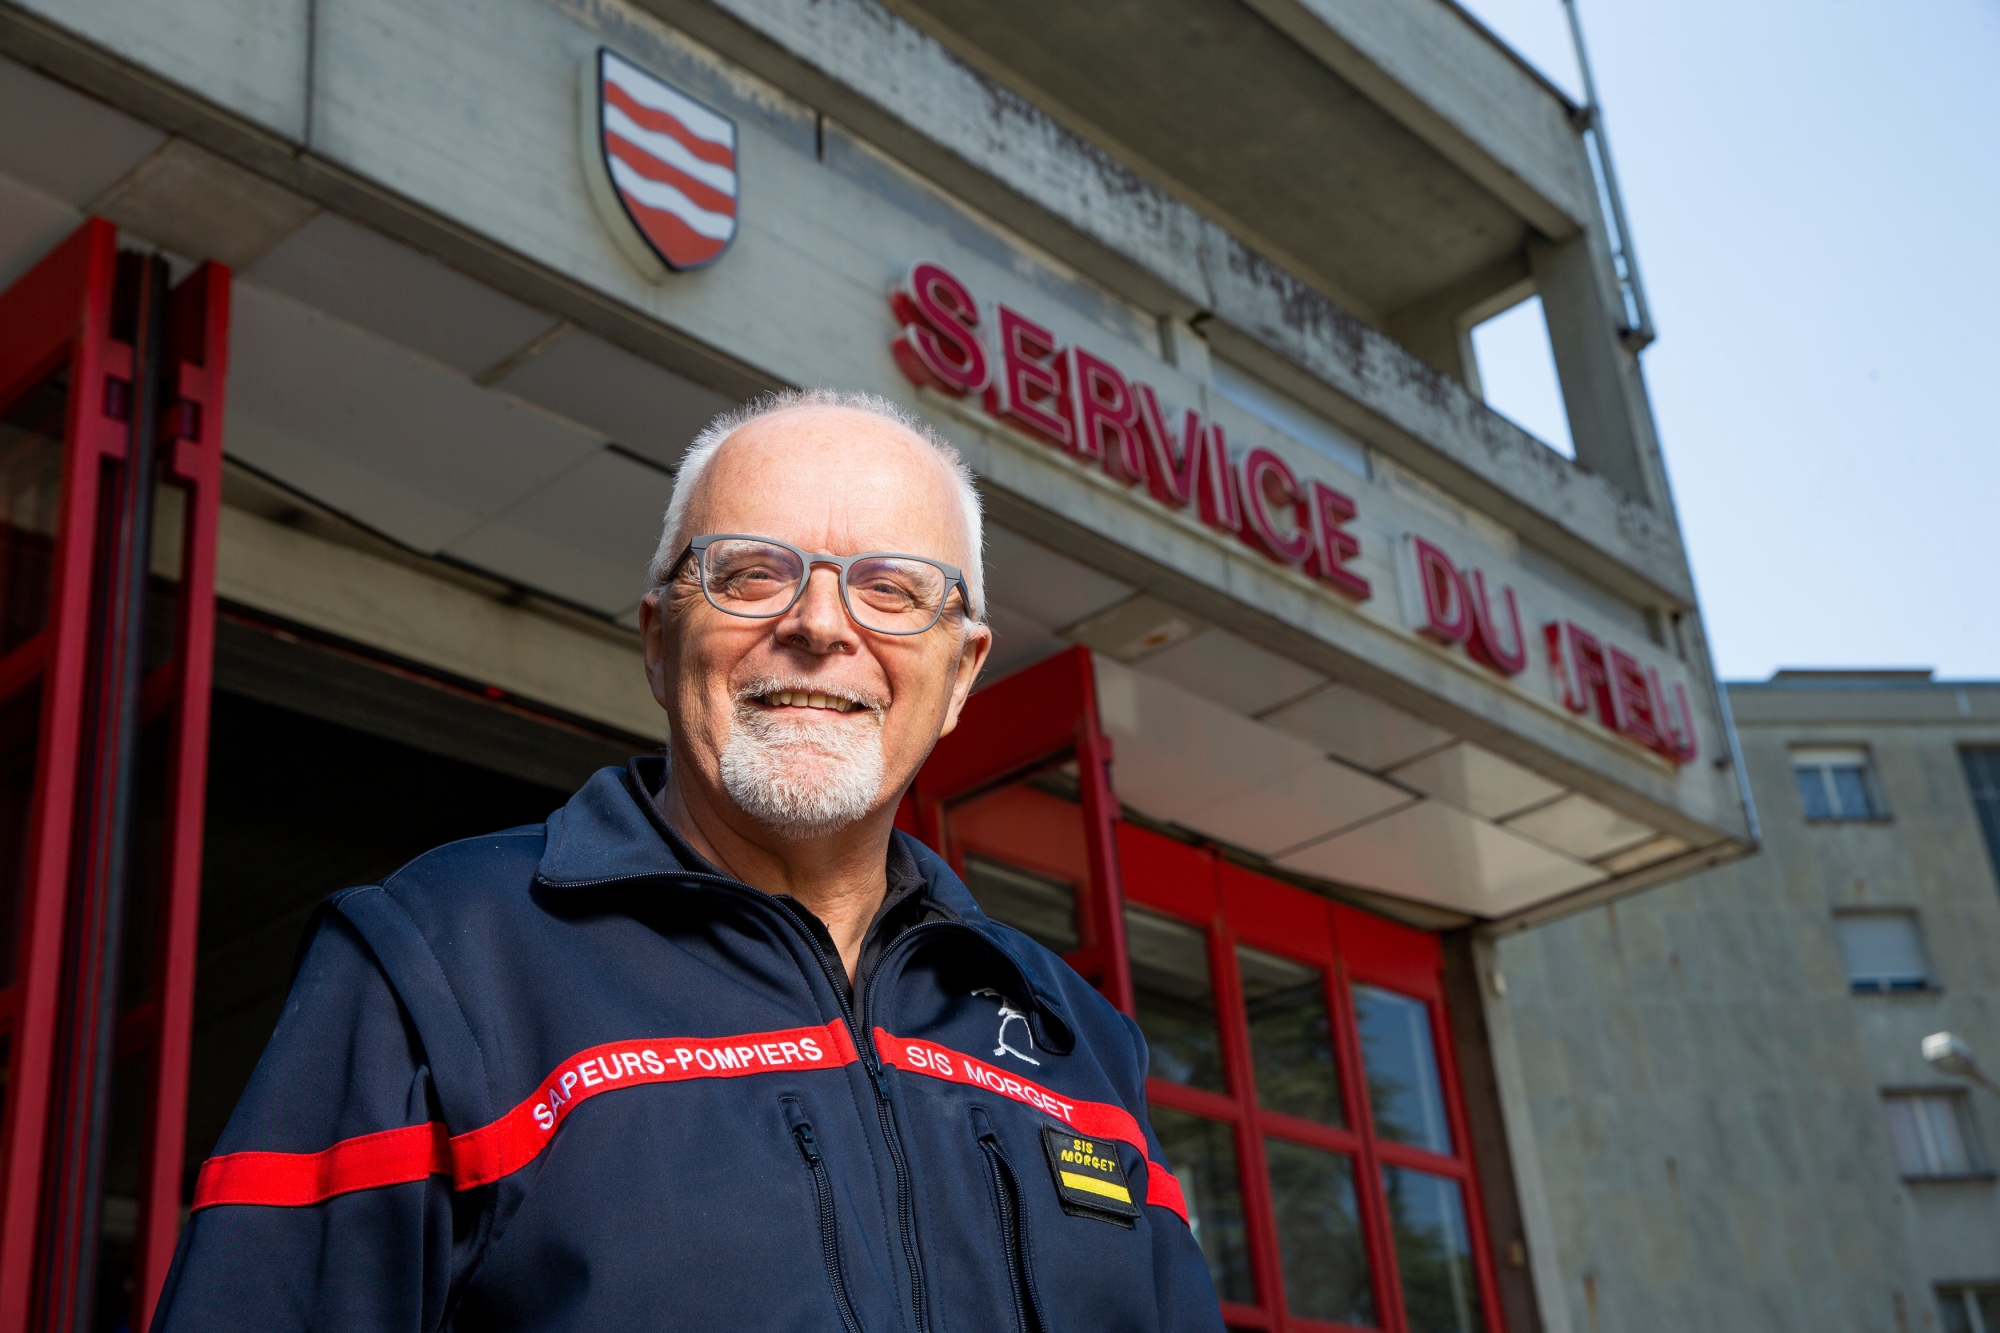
x: 797, y: 777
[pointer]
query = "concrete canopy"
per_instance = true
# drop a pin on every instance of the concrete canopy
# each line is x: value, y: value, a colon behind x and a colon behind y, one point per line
x: 1233, y: 114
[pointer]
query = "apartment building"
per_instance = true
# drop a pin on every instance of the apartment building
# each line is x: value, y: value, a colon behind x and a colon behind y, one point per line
x: 1735, y: 1124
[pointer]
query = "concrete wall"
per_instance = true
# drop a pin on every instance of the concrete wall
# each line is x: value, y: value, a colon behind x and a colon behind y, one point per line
x: 1705, y: 1092
x: 452, y: 127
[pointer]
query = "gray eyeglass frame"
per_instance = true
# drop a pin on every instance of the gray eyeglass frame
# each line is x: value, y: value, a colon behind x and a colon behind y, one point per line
x: 698, y: 548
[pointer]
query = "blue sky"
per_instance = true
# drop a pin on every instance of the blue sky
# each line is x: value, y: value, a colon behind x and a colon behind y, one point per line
x: 1814, y: 189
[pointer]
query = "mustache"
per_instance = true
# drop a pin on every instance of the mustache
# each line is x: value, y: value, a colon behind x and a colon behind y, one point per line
x: 758, y: 688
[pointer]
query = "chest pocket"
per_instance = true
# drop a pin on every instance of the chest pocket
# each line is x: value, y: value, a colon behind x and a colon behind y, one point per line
x: 1000, y: 1236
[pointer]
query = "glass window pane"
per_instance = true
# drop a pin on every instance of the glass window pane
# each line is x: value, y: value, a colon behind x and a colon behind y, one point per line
x: 31, y: 454
x: 1911, y: 1158
x: 1812, y: 792
x: 1433, y: 1252
x: 1291, y: 1036
x: 1988, y: 1301
x: 1175, y: 1000
x: 1320, y: 1245
x: 1402, y: 1068
x: 20, y: 734
x: 1039, y: 906
x: 1883, y: 951
x: 1952, y: 1314
x: 1982, y: 774
x: 1202, y: 1155
x: 1944, y: 1124
x: 1929, y: 1133
x: 1850, y: 789
x: 1023, y: 849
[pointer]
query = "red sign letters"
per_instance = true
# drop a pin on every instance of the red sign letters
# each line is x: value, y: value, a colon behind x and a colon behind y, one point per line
x: 1078, y: 403
x: 1075, y: 401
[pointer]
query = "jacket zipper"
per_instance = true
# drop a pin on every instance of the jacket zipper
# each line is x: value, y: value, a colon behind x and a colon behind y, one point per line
x: 1007, y: 1202
x: 871, y: 1061
x: 829, y: 1227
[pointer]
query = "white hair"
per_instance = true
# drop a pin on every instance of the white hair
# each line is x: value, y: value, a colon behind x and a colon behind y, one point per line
x: 694, y: 463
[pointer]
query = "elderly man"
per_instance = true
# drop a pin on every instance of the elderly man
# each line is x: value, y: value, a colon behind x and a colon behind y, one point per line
x: 714, y: 1047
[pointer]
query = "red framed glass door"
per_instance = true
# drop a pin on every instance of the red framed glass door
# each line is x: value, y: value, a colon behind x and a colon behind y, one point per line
x: 111, y: 400
x: 1302, y: 1086
x: 1302, y: 1078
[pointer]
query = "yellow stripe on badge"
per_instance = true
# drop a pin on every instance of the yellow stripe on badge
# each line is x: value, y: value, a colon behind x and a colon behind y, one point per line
x: 1096, y: 1186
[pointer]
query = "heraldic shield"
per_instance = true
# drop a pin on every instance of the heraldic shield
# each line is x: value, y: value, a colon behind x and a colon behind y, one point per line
x: 662, y: 167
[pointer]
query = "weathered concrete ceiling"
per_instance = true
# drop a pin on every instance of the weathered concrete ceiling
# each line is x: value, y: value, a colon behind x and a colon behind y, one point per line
x: 1228, y: 111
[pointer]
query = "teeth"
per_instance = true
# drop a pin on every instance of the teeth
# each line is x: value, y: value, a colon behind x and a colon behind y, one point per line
x: 806, y: 699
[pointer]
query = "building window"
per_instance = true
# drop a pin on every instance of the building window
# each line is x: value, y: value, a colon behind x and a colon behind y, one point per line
x: 1982, y: 772
x: 1836, y: 782
x: 1884, y: 952
x: 1933, y: 1135
x: 1969, y: 1309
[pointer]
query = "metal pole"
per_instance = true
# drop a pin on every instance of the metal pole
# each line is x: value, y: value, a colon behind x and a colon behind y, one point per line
x: 1641, y: 332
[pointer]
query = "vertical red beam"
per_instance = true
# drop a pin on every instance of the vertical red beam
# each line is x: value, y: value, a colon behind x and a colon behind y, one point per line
x: 1100, y: 830
x: 81, y: 272
x: 198, y: 348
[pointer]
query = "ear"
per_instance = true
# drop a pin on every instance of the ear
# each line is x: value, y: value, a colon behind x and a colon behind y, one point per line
x: 653, y: 634
x: 972, y: 651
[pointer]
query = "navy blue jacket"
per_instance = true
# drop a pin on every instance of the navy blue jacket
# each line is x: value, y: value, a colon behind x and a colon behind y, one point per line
x: 568, y: 1077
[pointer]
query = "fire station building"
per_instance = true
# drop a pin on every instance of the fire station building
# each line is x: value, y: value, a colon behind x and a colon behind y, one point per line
x: 347, y: 348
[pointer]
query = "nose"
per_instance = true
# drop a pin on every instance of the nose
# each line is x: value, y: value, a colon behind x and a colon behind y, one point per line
x: 818, y: 622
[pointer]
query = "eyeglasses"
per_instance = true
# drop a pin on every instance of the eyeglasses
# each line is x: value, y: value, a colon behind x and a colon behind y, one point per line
x: 761, y: 578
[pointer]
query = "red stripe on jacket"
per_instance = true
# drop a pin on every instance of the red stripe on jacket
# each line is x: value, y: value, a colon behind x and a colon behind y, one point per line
x: 483, y: 1155
x: 1097, y: 1120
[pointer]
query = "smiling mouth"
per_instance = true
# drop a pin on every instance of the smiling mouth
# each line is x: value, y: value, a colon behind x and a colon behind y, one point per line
x: 808, y: 699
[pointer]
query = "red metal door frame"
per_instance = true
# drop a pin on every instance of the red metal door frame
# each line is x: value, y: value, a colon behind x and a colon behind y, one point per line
x: 1047, y: 713
x: 1374, y: 951
x: 61, y: 310
x: 198, y: 348
x: 1033, y: 719
x: 62, y: 313
x: 1233, y: 905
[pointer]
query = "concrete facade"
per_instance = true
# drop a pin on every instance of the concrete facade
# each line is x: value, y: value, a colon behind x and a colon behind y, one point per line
x: 332, y: 145
x: 1706, y: 1087
x: 455, y: 405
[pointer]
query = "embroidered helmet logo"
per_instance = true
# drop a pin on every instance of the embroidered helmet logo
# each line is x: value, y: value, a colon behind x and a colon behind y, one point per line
x: 1009, y: 1014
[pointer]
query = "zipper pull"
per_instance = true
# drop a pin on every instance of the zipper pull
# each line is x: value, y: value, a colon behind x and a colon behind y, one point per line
x: 982, y: 1128
x: 807, y: 1148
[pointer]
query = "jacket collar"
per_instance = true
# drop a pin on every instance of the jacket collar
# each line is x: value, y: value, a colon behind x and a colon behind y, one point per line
x: 611, y: 832
x: 602, y: 834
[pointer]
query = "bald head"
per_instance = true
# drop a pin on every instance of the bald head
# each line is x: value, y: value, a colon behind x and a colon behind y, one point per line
x: 853, y: 467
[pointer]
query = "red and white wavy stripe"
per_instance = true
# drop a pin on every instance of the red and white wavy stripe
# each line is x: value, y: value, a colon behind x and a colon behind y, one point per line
x: 673, y: 162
